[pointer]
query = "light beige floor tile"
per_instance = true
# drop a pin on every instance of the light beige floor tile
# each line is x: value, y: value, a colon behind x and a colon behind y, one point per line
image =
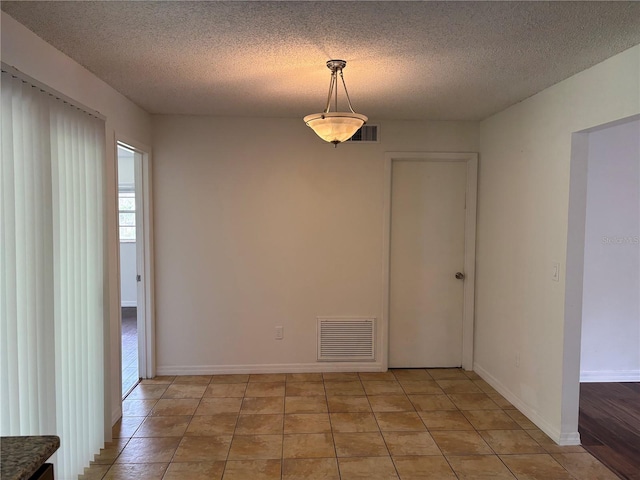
x: 550, y: 446
x: 458, y: 386
x: 511, y: 441
x: 420, y: 387
x: 521, y: 420
x: 186, y: 390
x: 410, y: 443
x: 390, y: 403
x: 268, y: 378
x: 369, y: 444
x: 445, y: 420
x: 212, y: 425
x: 399, y: 422
x: 260, y: 424
x: 535, y: 467
x: 305, y: 405
x: 348, y: 404
x: 126, y: 427
x: 426, y: 403
x: 252, y: 470
x: 163, y: 427
x: 307, y: 423
x: 479, y: 467
x: 484, y: 386
x: 447, y: 373
x: 340, y: 377
x: 110, y: 451
x: 149, y: 450
x: 225, y: 390
x: 305, y: 389
x: 172, y: 407
x: 147, y: 392
x: 411, y: 374
x: 203, y: 449
x: 197, y: 379
x: 490, y: 420
x: 265, y: 389
x: 160, y: 379
x: 473, y: 401
x: 584, y: 466
x: 424, y: 468
x: 137, y: 408
x: 382, y: 388
x: 377, y: 376
x: 214, y: 406
x: 501, y: 401
x: 230, y: 379
x: 152, y: 471
x: 195, y: 471
x: 310, y: 469
x: 262, y: 405
x: 304, y: 377
x: 461, y: 443
x: 344, y: 388
x: 308, y: 445
x: 372, y: 468
x: 94, y: 472
x: 354, y: 422
x: 256, y: 447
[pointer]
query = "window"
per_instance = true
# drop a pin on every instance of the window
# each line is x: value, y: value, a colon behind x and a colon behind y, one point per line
x: 127, y: 214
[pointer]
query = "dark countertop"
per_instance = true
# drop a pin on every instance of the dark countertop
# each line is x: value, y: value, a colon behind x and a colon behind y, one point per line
x: 21, y: 457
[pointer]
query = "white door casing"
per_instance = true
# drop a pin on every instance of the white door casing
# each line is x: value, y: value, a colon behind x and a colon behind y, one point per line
x: 422, y: 257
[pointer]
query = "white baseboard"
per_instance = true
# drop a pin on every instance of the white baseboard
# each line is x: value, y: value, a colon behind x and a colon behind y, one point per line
x: 116, y: 414
x: 271, y: 368
x: 604, y: 376
x: 130, y: 303
x: 561, y: 438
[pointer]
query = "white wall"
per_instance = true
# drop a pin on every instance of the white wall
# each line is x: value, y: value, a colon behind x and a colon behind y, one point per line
x: 128, y: 272
x: 611, y: 292
x: 523, y: 212
x: 25, y: 51
x: 128, y: 263
x: 258, y: 223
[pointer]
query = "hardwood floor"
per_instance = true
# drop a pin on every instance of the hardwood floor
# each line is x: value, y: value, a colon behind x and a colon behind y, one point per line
x: 609, y: 425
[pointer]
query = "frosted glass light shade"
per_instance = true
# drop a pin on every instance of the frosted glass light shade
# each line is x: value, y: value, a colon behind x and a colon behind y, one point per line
x: 335, y: 127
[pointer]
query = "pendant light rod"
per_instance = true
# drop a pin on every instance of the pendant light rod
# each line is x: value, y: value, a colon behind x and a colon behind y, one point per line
x: 336, y: 127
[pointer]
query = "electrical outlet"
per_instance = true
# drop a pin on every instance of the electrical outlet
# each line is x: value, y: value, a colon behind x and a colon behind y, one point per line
x: 279, y: 333
x: 518, y: 359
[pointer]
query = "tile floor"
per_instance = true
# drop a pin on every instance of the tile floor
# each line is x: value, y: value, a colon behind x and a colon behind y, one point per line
x: 403, y: 424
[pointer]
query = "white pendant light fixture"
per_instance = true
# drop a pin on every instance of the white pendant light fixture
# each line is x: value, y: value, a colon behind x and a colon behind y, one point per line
x: 336, y: 127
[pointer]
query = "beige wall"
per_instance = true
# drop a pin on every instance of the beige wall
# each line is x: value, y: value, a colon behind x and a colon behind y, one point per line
x: 27, y: 52
x: 258, y: 223
x: 523, y: 211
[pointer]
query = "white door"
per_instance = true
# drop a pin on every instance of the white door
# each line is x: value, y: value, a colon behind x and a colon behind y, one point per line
x: 427, y: 250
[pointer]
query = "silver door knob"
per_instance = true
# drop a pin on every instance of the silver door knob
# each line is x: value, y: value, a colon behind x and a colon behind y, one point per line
x: 460, y: 275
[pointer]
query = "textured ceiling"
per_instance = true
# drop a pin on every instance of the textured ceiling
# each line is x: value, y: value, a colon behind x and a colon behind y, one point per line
x: 406, y: 60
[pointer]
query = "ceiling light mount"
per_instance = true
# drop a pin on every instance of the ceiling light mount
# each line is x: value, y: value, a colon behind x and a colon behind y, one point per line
x: 336, y: 127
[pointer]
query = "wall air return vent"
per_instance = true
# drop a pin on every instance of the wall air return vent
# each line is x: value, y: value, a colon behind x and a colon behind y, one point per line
x: 366, y: 134
x: 346, y: 339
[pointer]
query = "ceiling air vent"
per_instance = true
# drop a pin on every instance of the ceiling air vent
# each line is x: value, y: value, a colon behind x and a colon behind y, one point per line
x: 366, y: 134
x: 346, y: 339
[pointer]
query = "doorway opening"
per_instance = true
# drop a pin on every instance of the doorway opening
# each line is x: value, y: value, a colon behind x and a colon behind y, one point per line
x: 602, y: 332
x: 131, y: 244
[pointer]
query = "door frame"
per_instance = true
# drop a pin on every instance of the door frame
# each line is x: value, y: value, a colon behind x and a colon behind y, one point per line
x: 144, y: 259
x: 468, y: 311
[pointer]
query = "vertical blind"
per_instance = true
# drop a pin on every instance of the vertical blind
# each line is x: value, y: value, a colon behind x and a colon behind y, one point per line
x: 52, y: 271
